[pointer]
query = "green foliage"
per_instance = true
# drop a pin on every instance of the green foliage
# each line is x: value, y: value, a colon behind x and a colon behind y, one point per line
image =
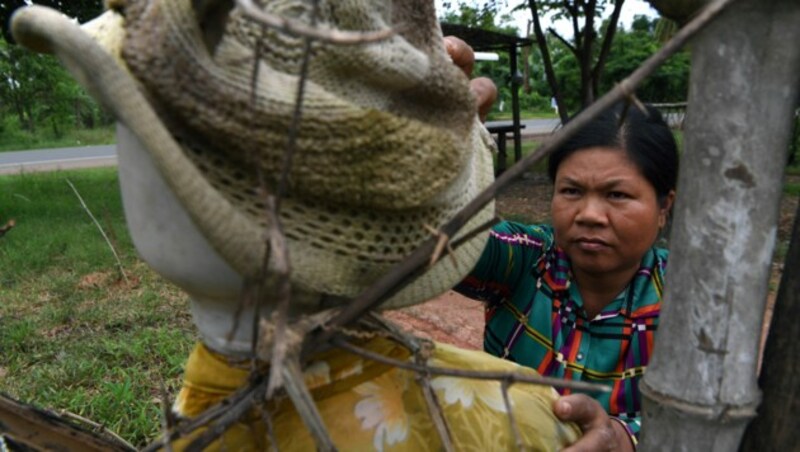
x: 630, y: 48
x: 794, y: 144
x: 670, y: 83
x: 40, y: 102
x: 26, y: 78
x: 583, y: 48
x: 82, y: 10
x: 483, y: 17
x: 12, y: 138
x: 528, y: 147
x: 665, y: 29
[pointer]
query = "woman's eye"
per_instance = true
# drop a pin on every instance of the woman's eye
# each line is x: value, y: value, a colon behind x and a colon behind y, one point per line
x: 618, y: 195
x: 569, y: 191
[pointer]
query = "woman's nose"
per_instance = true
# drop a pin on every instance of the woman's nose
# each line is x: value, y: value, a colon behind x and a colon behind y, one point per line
x: 592, y: 212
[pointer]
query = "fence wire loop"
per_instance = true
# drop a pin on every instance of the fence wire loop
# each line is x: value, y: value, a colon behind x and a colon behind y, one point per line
x: 333, y: 330
x: 278, y: 374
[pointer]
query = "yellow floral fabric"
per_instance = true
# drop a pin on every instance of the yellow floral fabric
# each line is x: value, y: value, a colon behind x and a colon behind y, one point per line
x: 372, y: 406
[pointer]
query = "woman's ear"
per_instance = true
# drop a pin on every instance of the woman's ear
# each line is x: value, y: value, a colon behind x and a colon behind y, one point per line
x: 666, y: 206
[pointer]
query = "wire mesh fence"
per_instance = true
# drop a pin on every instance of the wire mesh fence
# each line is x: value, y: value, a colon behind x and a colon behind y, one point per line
x: 284, y: 345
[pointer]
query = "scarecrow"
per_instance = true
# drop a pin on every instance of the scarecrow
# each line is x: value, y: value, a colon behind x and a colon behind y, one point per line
x: 275, y: 160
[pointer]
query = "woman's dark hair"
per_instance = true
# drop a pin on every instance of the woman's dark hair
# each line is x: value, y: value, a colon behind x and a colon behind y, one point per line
x: 645, y: 138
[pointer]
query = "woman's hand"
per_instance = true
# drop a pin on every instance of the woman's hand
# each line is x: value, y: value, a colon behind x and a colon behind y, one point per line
x: 482, y: 88
x: 600, y: 432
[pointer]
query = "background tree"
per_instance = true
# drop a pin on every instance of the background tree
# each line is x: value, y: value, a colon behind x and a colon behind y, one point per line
x: 575, y: 70
x: 27, y: 82
x: 82, y: 10
x: 670, y: 83
x: 37, y: 96
x: 584, y: 44
x: 483, y: 16
x: 36, y: 90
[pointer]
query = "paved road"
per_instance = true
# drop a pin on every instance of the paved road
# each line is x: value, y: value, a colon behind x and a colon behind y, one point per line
x: 61, y: 158
x: 532, y: 126
x: 90, y: 156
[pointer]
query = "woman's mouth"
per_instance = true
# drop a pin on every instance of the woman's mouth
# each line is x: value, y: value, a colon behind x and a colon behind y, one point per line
x: 591, y: 244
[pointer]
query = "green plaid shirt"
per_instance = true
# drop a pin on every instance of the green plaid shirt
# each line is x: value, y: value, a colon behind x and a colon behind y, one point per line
x: 535, y: 316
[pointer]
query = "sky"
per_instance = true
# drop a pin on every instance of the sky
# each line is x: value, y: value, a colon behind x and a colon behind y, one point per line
x: 630, y: 9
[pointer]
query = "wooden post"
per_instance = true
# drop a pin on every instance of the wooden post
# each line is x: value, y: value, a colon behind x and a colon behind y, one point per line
x: 700, y: 388
x: 775, y: 427
x: 36, y: 429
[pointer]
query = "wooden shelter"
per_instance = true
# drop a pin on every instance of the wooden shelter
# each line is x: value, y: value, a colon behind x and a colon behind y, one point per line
x: 489, y: 41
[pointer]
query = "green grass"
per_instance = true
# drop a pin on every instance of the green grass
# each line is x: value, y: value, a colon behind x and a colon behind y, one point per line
x: 792, y: 189
x: 528, y: 147
x: 53, y: 230
x: 524, y: 114
x: 13, y: 139
x: 678, y: 134
x: 73, y: 335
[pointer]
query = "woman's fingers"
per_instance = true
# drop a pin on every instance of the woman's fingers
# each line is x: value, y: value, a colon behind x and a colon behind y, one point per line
x: 580, y: 409
x: 461, y: 53
x: 482, y: 88
x: 485, y: 94
x: 598, y: 429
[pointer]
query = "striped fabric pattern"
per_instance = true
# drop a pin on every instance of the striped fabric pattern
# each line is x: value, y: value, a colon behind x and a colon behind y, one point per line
x: 535, y: 316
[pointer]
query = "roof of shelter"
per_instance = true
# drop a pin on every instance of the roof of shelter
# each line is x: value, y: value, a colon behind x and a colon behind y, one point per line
x: 484, y: 40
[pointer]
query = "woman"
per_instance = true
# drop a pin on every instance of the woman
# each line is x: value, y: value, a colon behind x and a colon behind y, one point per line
x: 580, y: 299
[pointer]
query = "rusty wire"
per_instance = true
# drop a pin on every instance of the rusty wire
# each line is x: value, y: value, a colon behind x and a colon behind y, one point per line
x: 286, y: 364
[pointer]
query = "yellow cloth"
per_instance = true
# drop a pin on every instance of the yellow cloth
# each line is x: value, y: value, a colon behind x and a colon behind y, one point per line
x: 371, y: 406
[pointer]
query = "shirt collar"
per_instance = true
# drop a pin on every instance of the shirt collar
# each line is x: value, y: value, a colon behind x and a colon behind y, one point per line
x: 640, y: 298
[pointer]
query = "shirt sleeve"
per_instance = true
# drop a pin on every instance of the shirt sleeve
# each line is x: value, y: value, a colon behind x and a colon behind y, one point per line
x: 511, y: 251
x: 633, y: 425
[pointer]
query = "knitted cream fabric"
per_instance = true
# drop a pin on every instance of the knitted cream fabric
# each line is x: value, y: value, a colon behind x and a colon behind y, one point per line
x: 388, y: 143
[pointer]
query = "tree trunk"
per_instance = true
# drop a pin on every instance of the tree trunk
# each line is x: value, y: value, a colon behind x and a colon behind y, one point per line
x: 775, y: 427
x: 587, y: 93
x: 605, y: 49
x: 30, y: 123
x: 700, y: 388
x: 19, y: 108
x: 586, y: 55
x: 526, y: 62
x: 547, y: 62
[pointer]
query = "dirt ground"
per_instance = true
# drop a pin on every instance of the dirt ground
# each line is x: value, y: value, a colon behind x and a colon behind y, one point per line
x: 454, y: 319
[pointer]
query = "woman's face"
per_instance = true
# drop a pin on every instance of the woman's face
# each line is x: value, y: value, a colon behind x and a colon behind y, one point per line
x: 606, y: 215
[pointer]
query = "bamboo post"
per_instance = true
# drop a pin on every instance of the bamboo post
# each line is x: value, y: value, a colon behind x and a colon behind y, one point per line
x: 700, y: 389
